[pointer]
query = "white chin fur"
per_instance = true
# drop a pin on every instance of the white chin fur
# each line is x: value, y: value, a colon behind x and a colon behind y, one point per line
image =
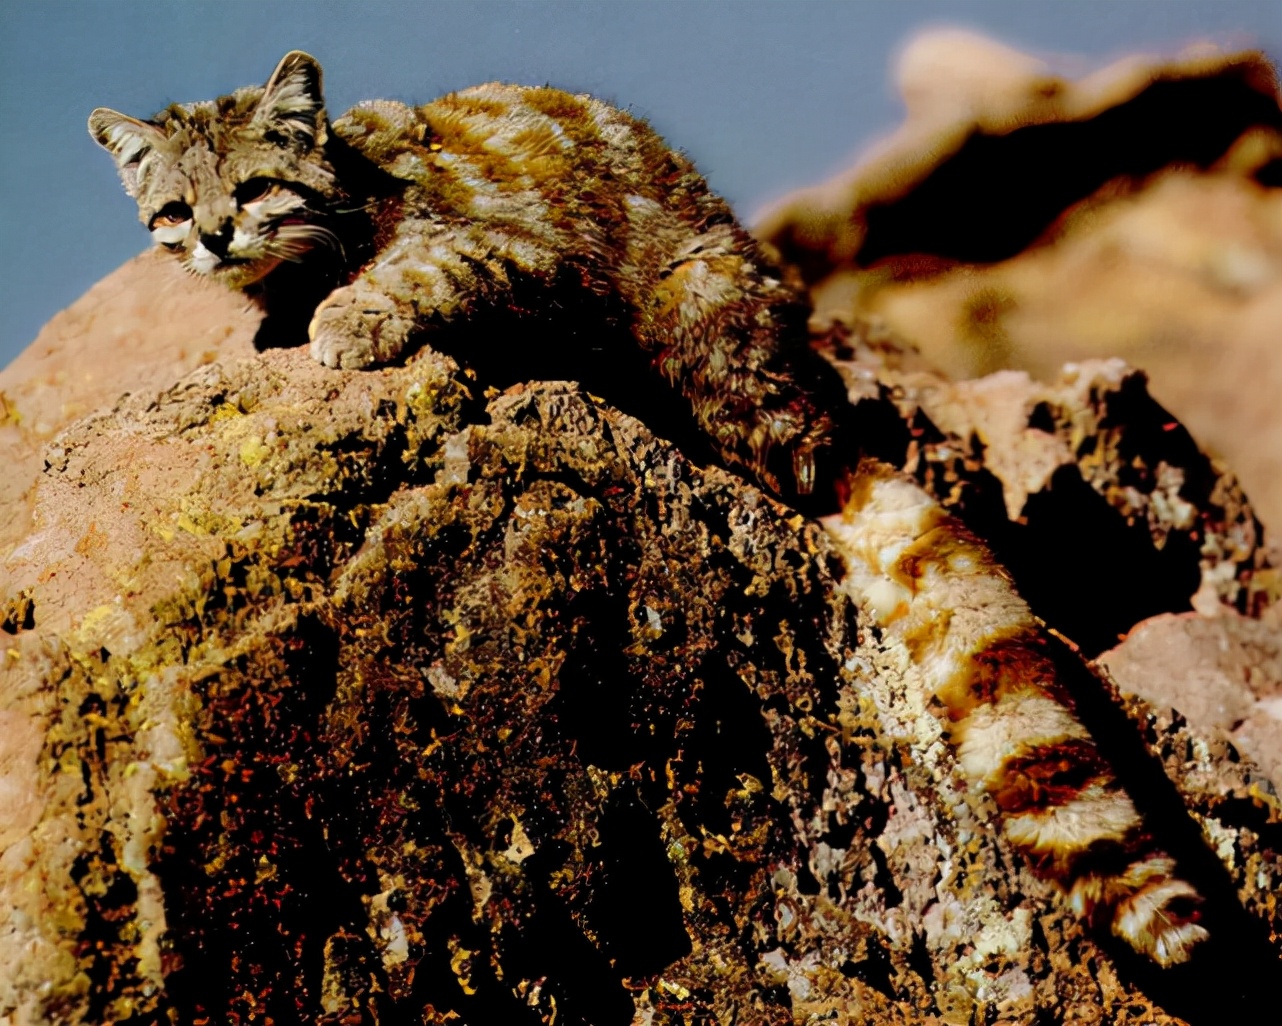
x: 203, y: 260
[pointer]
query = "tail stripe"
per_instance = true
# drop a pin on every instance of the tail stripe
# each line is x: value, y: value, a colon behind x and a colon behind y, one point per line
x: 1065, y: 831
x: 1043, y: 776
x: 993, y: 734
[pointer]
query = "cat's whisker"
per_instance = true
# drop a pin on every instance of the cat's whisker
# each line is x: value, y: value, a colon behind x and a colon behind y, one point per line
x: 356, y: 210
x: 301, y: 238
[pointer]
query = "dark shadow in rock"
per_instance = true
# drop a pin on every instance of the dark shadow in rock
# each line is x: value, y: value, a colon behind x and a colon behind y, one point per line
x: 635, y: 909
x: 1270, y: 175
x: 1077, y: 562
x: 288, y: 297
x: 245, y: 943
x: 999, y: 193
x: 548, y: 945
x: 1089, y: 573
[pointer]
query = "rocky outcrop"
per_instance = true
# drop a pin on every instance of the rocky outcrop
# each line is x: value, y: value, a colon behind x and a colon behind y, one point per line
x: 1223, y: 673
x: 1096, y: 498
x: 352, y: 697
x: 139, y: 329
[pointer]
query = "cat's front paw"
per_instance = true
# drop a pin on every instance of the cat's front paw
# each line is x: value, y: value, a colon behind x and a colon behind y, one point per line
x: 359, y: 326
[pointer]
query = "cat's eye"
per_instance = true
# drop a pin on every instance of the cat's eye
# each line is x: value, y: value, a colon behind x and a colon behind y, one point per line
x: 254, y: 189
x: 171, y: 215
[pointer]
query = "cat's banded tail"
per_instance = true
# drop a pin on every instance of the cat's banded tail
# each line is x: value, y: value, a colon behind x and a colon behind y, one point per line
x: 979, y: 660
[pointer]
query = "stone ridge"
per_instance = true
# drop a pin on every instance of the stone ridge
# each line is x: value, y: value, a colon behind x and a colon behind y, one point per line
x: 356, y: 698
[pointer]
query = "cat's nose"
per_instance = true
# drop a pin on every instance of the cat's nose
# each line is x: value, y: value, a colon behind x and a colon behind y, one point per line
x: 218, y: 242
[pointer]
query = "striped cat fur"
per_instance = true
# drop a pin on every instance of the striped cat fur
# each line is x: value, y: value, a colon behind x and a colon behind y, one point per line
x: 405, y: 220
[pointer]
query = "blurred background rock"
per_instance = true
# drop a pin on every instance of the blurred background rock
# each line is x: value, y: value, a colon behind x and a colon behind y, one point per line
x: 1022, y: 219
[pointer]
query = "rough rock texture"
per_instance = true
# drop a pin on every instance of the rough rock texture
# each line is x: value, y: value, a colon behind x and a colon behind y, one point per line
x: 138, y: 329
x: 1023, y: 218
x: 1224, y: 674
x: 360, y: 698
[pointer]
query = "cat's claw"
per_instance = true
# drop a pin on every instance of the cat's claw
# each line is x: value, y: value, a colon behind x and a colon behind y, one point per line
x: 358, y: 327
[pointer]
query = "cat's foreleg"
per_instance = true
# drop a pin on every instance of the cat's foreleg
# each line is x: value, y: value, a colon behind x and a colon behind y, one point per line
x: 428, y: 275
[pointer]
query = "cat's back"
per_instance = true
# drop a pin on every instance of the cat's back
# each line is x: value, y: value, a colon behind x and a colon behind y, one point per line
x: 534, y: 120
x: 580, y: 153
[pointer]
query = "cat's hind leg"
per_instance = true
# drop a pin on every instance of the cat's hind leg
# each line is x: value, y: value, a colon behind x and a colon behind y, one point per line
x: 731, y: 336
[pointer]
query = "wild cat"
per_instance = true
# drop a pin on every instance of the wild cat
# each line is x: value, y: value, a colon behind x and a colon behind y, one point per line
x: 402, y: 221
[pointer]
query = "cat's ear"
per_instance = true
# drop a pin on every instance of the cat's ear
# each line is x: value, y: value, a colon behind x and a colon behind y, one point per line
x: 126, y: 139
x: 292, y: 104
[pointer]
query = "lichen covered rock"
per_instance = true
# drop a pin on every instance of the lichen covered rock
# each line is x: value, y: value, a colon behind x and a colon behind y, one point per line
x: 336, y: 697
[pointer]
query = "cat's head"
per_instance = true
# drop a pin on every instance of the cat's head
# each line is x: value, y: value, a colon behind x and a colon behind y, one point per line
x: 233, y: 186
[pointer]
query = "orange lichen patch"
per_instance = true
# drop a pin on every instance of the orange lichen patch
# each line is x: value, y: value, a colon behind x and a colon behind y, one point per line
x: 91, y: 541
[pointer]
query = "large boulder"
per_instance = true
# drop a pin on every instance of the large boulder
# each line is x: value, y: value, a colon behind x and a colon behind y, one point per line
x: 390, y: 696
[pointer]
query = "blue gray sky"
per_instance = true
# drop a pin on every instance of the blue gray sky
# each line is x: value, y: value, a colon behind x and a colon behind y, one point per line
x: 766, y: 96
